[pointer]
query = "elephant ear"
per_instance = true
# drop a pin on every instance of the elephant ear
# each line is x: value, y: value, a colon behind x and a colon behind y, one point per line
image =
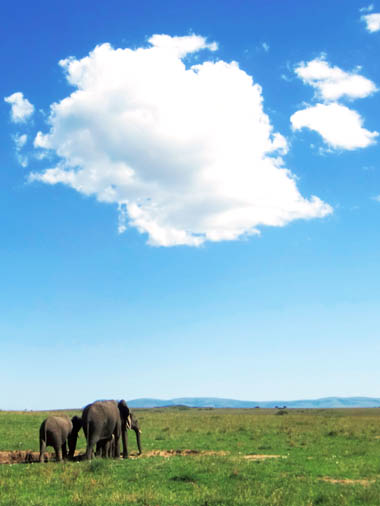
x: 124, y: 410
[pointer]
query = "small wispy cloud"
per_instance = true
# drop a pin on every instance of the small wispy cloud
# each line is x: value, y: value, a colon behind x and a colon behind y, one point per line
x: 21, y: 108
x: 369, y: 8
x: 265, y: 46
x: 20, y: 140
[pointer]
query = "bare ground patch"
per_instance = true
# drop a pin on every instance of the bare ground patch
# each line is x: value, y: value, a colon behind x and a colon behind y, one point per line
x: 19, y: 456
x: 347, y: 481
x: 264, y: 457
x: 186, y: 452
x: 28, y: 457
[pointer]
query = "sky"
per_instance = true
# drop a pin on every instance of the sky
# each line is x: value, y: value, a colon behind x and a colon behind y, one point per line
x: 189, y: 200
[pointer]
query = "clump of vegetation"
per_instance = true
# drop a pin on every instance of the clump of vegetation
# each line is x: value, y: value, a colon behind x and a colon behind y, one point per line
x: 184, y: 477
x: 96, y: 466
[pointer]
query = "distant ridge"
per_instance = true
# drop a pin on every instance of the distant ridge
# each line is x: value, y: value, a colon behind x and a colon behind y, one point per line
x: 214, y: 402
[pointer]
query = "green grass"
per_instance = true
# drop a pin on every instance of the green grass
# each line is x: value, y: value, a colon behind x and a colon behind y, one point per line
x: 313, y: 444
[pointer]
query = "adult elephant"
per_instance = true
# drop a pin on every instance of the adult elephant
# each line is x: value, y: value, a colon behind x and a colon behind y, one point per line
x: 55, y: 431
x: 104, y: 419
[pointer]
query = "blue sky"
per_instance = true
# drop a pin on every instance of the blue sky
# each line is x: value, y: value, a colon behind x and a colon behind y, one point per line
x: 190, y: 199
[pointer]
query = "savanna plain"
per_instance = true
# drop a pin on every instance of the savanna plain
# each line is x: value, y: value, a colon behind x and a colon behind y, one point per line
x: 206, y: 457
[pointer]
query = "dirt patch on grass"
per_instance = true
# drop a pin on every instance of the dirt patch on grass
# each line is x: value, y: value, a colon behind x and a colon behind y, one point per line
x: 264, y: 457
x: 17, y: 457
x: 29, y: 457
x: 347, y: 481
x: 183, y: 453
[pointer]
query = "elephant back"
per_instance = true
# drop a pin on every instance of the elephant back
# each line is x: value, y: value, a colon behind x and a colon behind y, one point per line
x: 54, y: 427
x: 102, y: 417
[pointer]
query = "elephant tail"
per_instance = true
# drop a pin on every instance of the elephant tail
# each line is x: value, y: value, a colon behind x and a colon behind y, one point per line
x: 43, y: 432
x: 86, y: 429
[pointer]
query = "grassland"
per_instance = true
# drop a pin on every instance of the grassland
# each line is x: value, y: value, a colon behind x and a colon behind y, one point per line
x: 319, y: 457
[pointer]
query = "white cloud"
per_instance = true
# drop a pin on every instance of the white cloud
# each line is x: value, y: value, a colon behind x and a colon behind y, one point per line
x: 186, y: 152
x: 265, y: 46
x: 369, y: 8
x: 21, y: 108
x: 181, y: 46
x: 372, y: 21
x: 340, y: 127
x: 333, y: 83
x: 20, y: 140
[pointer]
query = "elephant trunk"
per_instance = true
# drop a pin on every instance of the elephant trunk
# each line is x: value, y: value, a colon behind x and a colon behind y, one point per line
x: 124, y: 438
x: 138, y: 439
x: 72, y: 439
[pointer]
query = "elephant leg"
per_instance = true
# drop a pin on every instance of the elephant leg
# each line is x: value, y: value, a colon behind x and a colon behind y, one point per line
x: 125, y: 444
x: 112, y: 447
x: 64, y: 450
x: 91, y: 442
x: 42, y: 449
x: 117, y: 446
x: 100, y: 448
x: 58, y: 452
x: 89, y: 452
x: 72, y: 445
x: 109, y: 448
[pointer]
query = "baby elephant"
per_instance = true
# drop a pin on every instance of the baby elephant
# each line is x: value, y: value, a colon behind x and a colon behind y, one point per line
x: 106, y: 447
x: 55, y: 431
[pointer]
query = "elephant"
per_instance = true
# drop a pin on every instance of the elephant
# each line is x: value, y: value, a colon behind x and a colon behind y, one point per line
x: 102, y: 419
x: 106, y: 447
x: 55, y: 431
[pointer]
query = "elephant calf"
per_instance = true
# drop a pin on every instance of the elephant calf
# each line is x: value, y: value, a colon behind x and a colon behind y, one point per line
x: 55, y: 431
x: 106, y: 447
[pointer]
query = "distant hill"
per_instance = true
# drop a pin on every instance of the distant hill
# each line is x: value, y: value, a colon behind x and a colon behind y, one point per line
x: 214, y: 402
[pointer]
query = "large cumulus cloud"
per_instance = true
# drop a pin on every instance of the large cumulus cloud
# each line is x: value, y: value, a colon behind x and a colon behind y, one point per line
x: 184, y: 148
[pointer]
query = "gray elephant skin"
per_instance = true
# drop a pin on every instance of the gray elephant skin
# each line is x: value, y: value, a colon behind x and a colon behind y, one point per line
x: 104, y: 419
x: 57, y: 431
x: 105, y: 448
x: 133, y: 424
